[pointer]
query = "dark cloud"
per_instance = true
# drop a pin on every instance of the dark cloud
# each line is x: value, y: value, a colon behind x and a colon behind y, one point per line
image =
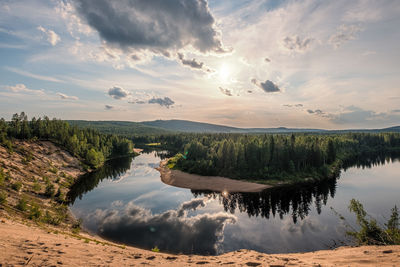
x: 293, y: 105
x: 193, y: 63
x: 267, y: 86
x: 171, y: 231
x: 156, y: 25
x: 297, y: 44
x: 117, y: 92
x: 249, y: 91
x: 317, y: 112
x: 225, y: 91
x: 267, y: 59
x: 166, y: 101
x: 108, y: 107
x: 396, y: 110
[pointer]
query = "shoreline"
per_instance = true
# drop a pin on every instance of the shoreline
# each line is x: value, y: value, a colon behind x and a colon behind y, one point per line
x: 210, y: 183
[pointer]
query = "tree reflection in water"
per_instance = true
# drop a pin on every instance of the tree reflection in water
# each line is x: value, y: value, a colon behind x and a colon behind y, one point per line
x: 295, y: 200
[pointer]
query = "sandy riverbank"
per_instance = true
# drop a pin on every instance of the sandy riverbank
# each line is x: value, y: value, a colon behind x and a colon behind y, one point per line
x: 213, y: 183
x: 21, y: 244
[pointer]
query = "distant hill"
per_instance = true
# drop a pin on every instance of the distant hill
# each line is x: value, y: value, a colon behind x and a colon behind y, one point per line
x: 118, y: 127
x: 170, y: 126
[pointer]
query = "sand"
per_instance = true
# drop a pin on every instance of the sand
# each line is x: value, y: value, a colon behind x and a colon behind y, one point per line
x: 21, y: 244
x: 213, y: 183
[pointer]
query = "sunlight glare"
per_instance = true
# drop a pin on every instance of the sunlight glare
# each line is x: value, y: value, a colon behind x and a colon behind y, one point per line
x: 224, y: 72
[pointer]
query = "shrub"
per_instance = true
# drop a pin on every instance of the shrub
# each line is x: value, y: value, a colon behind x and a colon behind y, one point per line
x: 155, y: 249
x: 59, y: 196
x: 49, y: 191
x: 16, y: 186
x: 36, y: 186
x: 3, y: 197
x: 370, y: 232
x: 2, y: 176
x: 35, y: 211
x: 76, y: 227
x: 22, y: 204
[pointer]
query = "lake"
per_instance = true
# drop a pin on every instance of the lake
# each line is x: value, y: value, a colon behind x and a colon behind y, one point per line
x: 125, y: 201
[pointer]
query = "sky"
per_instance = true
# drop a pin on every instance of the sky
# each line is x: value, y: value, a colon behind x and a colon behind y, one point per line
x: 306, y: 64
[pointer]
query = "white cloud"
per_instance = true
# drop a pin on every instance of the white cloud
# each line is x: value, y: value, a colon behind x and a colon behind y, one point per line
x: 344, y: 34
x: 32, y: 75
x: 67, y: 97
x: 52, y: 37
x: 22, y: 89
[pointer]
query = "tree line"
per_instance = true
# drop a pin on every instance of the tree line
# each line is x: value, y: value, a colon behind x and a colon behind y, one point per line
x: 274, y: 156
x: 88, y: 144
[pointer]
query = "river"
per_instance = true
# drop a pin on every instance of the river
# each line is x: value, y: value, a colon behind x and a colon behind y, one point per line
x: 125, y: 201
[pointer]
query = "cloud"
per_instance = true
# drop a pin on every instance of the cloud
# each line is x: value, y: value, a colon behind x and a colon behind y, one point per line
x: 52, y: 37
x: 396, y: 110
x: 356, y: 115
x: 267, y: 59
x: 117, y: 92
x: 296, y: 44
x: 108, y: 107
x: 317, y: 111
x: 21, y: 88
x: 293, y: 105
x: 225, y: 91
x: 192, y: 63
x: 166, y: 101
x: 32, y: 75
x: 267, y: 86
x: 343, y: 34
x: 153, y: 25
x: 172, y: 230
x: 67, y: 97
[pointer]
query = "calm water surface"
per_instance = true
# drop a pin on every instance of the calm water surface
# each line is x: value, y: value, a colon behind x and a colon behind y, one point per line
x: 126, y: 201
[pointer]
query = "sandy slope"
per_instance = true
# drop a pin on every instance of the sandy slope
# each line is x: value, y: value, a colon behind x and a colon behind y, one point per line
x: 21, y: 244
x: 212, y: 183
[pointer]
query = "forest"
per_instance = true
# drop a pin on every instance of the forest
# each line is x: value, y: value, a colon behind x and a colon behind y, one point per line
x: 89, y: 145
x: 275, y: 157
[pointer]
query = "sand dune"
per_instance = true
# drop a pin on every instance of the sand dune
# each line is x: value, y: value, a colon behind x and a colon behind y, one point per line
x: 21, y: 244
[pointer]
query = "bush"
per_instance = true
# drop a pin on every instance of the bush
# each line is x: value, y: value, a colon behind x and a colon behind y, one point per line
x: 3, y: 197
x: 22, y: 204
x: 2, y: 176
x: 76, y: 227
x: 36, y: 187
x: 59, y: 196
x: 35, y: 211
x: 16, y: 186
x: 49, y: 191
x: 370, y: 232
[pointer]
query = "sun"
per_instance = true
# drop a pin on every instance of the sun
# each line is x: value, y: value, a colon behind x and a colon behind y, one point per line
x: 224, y: 72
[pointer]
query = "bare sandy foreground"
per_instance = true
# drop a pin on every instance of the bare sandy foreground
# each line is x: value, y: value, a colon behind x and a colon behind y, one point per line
x: 212, y: 183
x: 29, y: 245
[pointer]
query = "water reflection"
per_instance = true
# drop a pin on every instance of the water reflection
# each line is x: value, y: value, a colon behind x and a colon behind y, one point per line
x: 171, y: 231
x: 294, y: 200
x: 112, y: 169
